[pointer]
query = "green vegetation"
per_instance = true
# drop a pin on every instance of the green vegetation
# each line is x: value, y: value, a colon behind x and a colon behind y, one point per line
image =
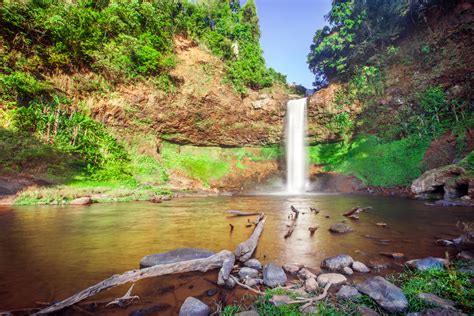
x: 124, y: 40
x: 448, y: 284
x: 374, y: 161
x: 357, y: 30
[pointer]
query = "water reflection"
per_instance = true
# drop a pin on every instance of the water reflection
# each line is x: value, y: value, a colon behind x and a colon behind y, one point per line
x: 48, y: 253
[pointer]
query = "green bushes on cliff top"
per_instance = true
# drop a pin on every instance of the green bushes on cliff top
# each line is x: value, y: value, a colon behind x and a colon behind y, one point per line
x: 129, y: 39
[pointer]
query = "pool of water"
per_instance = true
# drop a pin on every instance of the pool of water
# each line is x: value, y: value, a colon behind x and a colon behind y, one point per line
x: 50, y: 252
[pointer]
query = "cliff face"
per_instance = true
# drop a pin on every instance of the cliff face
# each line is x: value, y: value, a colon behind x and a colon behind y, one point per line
x: 201, y: 110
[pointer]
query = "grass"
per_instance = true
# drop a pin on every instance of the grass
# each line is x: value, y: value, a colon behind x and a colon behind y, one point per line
x: 101, y: 191
x: 375, y: 162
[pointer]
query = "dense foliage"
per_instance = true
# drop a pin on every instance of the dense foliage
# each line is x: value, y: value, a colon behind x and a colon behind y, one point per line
x: 129, y: 39
x: 358, y: 29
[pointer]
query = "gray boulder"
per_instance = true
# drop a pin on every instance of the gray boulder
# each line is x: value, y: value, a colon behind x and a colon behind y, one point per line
x: 253, y: 263
x: 347, y: 271
x: 177, y: 255
x: 432, y: 180
x: 340, y: 228
x: 360, y: 267
x: 387, y: 295
x: 337, y: 262
x: 437, y: 312
x: 334, y: 278
x: 311, y: 285
x: 365, y: 311
x: 273, y: 275
x: 348, y: 292
x: 426, y: 263
x: 193, y: 307
x: 248, y: 273
x: 432, y: 299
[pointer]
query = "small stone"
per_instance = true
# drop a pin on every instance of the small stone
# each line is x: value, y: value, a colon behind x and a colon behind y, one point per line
x: 336, y: 263
x: 365, y: 311
x: 334, y: 278
x: 426, y: 263
x: 347, y: 271
x: 387, y: 295
x: 311, y: 285
x: 81, y: 201
x: 394, y: 255
x: 229, y: 284
x: 340, y: 228
x: 292, y: 268
x: 378, y: 265
x: 348, y: 292
x: 437, y: 312
x: 279, y: 300
x: 466, y: 255
x: 304, y: 274
x: 253, y: 263
x: 253, y: 282
x: 432, y: 299
x: 248, y: 273
x: 193, y: 307
x: 273, y: 275
x: 360, y: 267
x: 211, y: 292
x: 247, y: 313
x: 381, y: 224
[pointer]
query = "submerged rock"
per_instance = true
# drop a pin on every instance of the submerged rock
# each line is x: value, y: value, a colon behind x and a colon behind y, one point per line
x: 340, y: 228
x: 360, y: 267
x: 348, y: 292
x: 387, y: 295
x: 273, y: 275
x: 334, y: 278
x: 426, y: 263
x: 193, y: 307
x: 177, y: 255
x: 336, y: 263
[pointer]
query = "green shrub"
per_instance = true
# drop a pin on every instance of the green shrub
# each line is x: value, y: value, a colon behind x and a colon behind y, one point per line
x: 373, y: 161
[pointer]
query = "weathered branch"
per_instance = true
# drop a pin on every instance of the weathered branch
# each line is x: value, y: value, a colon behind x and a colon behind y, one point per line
x: 244, y: 250
x: 240, y: 213
x: 293, y: 224
x: 246, y: 286
x: 203, y: 265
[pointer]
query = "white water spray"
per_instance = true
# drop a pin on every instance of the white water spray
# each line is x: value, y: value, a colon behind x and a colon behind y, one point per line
x: 296, y: 154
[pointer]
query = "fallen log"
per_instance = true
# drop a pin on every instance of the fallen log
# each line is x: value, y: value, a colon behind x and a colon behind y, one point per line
x: 245, y: 249
x: 240, y: 213
x: 293, y: 224
x: 202, y: 265
x: 356, y: 210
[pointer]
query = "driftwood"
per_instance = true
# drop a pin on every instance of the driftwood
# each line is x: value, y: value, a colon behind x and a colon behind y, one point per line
x: 312, y: 229
x: 240, y: 213
x: 203, y: 265
x: 125, y: 300
x: 246, y: 286
x: 244, y: 250
x: 356, y: 210
x: 293, y: 224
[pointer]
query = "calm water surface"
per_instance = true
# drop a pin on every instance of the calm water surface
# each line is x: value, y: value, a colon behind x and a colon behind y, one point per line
x: 48, y: 253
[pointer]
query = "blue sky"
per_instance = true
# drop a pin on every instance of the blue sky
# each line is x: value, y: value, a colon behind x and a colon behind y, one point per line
x: 287, y: 28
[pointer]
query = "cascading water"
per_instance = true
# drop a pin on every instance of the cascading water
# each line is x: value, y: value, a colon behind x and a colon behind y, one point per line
x: 296, y: 153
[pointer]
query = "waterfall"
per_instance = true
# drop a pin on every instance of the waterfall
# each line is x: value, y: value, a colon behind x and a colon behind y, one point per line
x: 296, y: 154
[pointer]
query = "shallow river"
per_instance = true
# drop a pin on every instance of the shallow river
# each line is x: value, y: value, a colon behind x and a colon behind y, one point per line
x: 48, y: 253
